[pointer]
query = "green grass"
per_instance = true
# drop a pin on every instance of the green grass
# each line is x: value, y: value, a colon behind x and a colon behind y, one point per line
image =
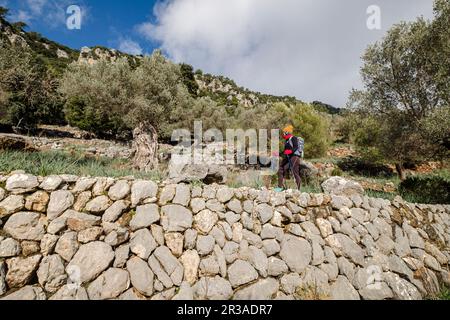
x: 444, y: 294
x: 56, y: 162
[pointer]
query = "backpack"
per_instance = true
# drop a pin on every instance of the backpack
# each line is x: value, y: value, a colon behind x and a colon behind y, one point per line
x: 300, y: 152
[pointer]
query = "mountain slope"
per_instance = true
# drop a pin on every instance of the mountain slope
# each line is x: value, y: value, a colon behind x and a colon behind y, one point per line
x: 221, y: 89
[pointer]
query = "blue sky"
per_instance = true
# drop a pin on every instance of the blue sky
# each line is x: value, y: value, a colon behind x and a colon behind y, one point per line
x: 105, y: 23
x: 310, y: 49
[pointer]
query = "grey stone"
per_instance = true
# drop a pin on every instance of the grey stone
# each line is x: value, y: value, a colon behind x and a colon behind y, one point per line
x: 218, y: 235
x: 176, y: 218
x: 21, y: 182
x: 167, y: 194
x: 258, y: 260
x: 160, y: 273
x: 205, y: 244
x: 90, y: 260
x: 51, y: 273
x: 385, y: 244
x: 25, y: 226
x: 342, y: 289
x: 131, y: 295
x: 290, y: 283
x: 232, y: 217
x: 51, y: 183
x: 109, y: 285
x: 56, y: 225
x: 264, y: 212
x: 190, y: 239
x: 9, y: 248
x: 83, y: 184
x: 342, y: 187
x: 271, y: 247
x: 101, y: 186
x: 115, y: 211
x: 67, y: 245
x: 10, y: 205
x: 48, y: 244
x: 318, y: 256
x: 60, y: 201
x: 252, y: 238
x: 98, y: 204
x: 402, y: 289
x: 157, y: 233
x: 276, y: 267
x: 119, y: 191
x: 117, y: 237
x: 21, y: 270
x: 346, y: 268
x: 142, y: 190
x: 398, y: 266
x: 28, y: 293
x: 264, y: 289
x: 215, y: 205
x: 338, y: 202
x: 231, y: 250
x: 198, y: 204
x: 145, y: 216
x: 142, y: 243
x: 224, y: 194
x: 296, y: 252
x: 209, y: 267
x: 235, y: 206
x: 141, y: 276
x: 186, y: 292
x: 216, y: 288
x: 121, y: 256
x: 170, y: 264
x: 342, y: 245
x: 240, y: 273
x: 182, y: 195
x: 270, y: 232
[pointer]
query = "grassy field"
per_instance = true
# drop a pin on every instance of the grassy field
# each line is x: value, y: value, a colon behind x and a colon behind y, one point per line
x: 56, y: 162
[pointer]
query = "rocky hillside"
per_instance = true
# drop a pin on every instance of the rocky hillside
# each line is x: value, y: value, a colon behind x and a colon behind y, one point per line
x: 221, y: 89
x: 66, y: 237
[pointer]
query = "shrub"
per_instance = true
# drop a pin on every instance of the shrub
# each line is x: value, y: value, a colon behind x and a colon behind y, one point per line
x: 311, y: 126
x: 360, y: 166
x: 27, y: 90
x: 434, y: 189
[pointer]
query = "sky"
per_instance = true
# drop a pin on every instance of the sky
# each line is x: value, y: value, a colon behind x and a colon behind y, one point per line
x: 309, y: 49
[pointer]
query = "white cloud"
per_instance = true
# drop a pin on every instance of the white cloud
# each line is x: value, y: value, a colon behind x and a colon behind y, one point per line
x: 36, y: 6
x: 129, y: 46
x: 307, y: 48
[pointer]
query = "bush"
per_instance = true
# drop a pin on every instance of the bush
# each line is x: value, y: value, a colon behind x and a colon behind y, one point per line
x: 364, y: 167
x: 27, y: 90
x: 311, y: 126
x: 434, y: 189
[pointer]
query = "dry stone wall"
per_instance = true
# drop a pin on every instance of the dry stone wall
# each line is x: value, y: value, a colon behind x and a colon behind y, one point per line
x: 68, y: 237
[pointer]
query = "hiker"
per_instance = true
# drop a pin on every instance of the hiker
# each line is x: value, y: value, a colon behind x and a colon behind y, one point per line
x: 293, y: 152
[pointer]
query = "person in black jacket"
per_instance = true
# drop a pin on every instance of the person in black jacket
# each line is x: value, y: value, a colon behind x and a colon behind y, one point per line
x: 291, y: 158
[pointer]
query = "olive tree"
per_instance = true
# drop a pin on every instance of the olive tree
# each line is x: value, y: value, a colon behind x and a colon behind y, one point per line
x: 113, y: 97
x: 404, y: 84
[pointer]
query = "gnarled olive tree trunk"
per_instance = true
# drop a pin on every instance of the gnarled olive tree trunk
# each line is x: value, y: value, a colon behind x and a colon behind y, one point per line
x: 145, y: 146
